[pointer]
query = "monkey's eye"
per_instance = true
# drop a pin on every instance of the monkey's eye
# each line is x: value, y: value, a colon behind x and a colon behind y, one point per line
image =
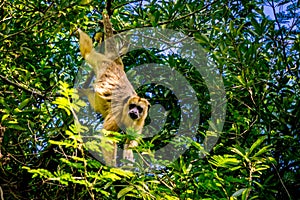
x: 140, y: 109
x: 131, y: 106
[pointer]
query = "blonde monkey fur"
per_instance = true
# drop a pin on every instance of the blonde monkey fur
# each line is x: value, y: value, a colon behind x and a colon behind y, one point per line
x: 113, y: 97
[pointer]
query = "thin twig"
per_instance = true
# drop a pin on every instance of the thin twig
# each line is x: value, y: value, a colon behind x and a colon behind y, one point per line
x: 29, y: 27
x: 177, y: 19
x: 1, y: 193
x: 281, y: 181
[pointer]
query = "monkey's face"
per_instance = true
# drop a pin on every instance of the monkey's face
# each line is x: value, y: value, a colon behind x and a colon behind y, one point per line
x: 135, y: 111
x: 137, y: 108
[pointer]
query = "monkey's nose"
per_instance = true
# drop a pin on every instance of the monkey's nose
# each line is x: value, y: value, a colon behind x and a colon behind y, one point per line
x: 133, y: 115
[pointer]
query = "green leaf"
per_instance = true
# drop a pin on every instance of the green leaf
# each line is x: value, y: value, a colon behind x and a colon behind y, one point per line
x: 109, y: 175
x: 257, y: 143
x: 239, y: 192
x: 24, y: 103
x: 121, y: 172
x: 201, y: 38
x: 124, y: 191
x: 4, y: 117
x: 225, y: 161
x: 238, y: 151
x: 262, y: 150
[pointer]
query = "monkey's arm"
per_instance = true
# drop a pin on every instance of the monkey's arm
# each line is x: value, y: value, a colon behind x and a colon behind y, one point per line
x: 95, y: 101
x: 91, y: 97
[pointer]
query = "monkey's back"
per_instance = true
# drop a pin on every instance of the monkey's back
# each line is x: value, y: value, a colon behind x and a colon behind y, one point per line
x: 112, y: 87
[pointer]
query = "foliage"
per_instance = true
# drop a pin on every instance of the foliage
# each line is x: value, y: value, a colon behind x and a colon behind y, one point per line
x: 254, y: 45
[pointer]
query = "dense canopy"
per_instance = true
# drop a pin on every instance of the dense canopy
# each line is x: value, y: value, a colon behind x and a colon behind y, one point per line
x: 253, y: 46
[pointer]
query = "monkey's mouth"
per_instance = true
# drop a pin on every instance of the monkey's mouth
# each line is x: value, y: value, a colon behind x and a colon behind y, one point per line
x: 133, y: 115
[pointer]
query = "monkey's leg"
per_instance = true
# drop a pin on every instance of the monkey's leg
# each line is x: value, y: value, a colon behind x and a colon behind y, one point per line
x: 109, y: 152
x: 128, y: 153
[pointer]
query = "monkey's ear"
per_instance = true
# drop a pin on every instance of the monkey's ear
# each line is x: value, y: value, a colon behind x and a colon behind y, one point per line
x: 149, y: 105
x: 126, y: 100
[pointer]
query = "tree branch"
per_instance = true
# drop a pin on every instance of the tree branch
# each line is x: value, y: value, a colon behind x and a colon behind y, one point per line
x: 37, y: 93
